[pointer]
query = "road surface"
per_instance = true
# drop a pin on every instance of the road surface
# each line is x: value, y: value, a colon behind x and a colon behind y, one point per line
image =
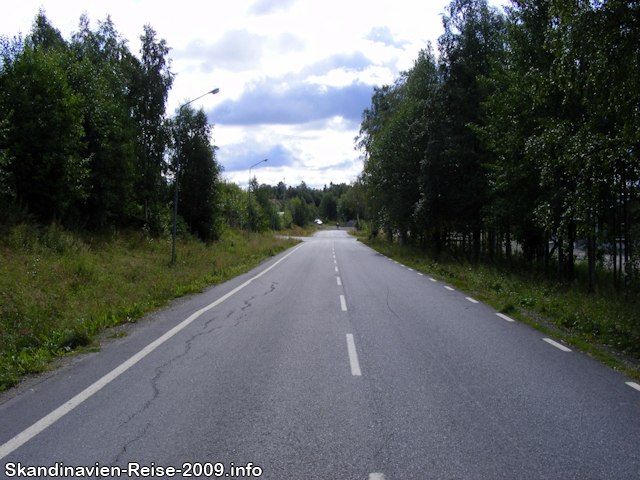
x: 329, y: 361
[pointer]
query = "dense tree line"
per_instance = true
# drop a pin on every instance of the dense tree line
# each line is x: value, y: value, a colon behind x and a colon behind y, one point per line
x: 523, y: 131
x: 282, y: 206
x: 84, y: 136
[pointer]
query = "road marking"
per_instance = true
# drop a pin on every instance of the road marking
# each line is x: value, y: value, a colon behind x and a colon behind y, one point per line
x: 343, y: 303
x: 336, y: 269
x: 339, y: 281
x: 65, y: 408
x: 420, y: 274
x: 557, y: 345
x: 449, y: 288
x: 433, y: 279
x: 472, y: 300
x: 353, y: 356
x: 508, y: 319
x: 411, y: 269
x: 376, y: 476
x: 633, y: 385
x: 334, y: 260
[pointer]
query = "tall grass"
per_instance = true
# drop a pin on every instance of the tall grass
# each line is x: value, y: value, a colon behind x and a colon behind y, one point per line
x: 58, y: 289
x: 601, y: 324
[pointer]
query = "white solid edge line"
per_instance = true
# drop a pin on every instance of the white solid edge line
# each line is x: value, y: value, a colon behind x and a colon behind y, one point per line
x: 343, y: 303
x: 472, y: 300
x: 65, y: 408
x: 339, y: 281
x: 353, y: 356
x: 508, y: 319
x: 633, y: 385
x: 557, y: 345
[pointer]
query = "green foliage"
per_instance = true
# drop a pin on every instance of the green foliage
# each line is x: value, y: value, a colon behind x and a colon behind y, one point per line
x: 424, y: 166
x: 299, y: 211
x: 287, y: 219
x: 328, y: 207
x: 234, y: 205
x: 524, y: 135
x: 99, y: 75
x: 199, y: 179
x: 82, y: 126
x: 150, y: 81
x: 43, y: 165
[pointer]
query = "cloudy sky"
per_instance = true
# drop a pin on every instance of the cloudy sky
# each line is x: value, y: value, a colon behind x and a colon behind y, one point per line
x: 294, y: 75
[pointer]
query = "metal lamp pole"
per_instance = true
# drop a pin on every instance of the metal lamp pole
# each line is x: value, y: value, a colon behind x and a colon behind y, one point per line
x: 175, y: 200
x: 249, y: 236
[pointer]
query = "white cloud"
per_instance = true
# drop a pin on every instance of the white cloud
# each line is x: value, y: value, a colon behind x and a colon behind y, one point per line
x: 267, y: 7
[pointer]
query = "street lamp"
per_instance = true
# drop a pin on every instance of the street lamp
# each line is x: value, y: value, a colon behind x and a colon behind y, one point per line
x: 175, y: 200
x: 249, y: 236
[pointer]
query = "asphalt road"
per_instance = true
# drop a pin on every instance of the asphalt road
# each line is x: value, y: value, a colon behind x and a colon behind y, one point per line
x: 329, y: 361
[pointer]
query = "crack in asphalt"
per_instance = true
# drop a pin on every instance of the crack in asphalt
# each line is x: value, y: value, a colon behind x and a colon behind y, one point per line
x: 389, y: 306
x: 161, y: 369
x: 126, y: 445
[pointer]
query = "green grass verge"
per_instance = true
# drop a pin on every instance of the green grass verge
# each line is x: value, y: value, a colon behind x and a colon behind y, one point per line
x: 604, y: 325
x: 59, y: 290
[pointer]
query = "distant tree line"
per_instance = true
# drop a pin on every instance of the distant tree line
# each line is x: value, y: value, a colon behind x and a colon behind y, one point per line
x: 84, y: 136
x: 525, y: 130
x: 281, y: 206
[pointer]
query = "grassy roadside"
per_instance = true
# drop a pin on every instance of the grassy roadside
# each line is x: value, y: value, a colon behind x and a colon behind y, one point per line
x: 59, y: 290
x: 603, y: 325
x: 296, y: 231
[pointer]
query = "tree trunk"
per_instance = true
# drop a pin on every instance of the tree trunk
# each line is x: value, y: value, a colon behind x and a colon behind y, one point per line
x: 507, y: 238
x: 491, y: 246
x: 570, y: 247
x: 591, y: 255
x: 476, y: 245
x: 560, y: 260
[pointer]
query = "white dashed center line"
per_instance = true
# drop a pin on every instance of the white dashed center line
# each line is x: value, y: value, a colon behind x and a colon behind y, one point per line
x: 353, y: 356
x: 449, y: 288
x: 339, y: 281
x: 472, y: 300
x: 343, y: 303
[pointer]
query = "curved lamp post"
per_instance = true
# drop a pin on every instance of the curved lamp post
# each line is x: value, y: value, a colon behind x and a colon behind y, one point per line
x: 175, y: 200
x: 249, y: 236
